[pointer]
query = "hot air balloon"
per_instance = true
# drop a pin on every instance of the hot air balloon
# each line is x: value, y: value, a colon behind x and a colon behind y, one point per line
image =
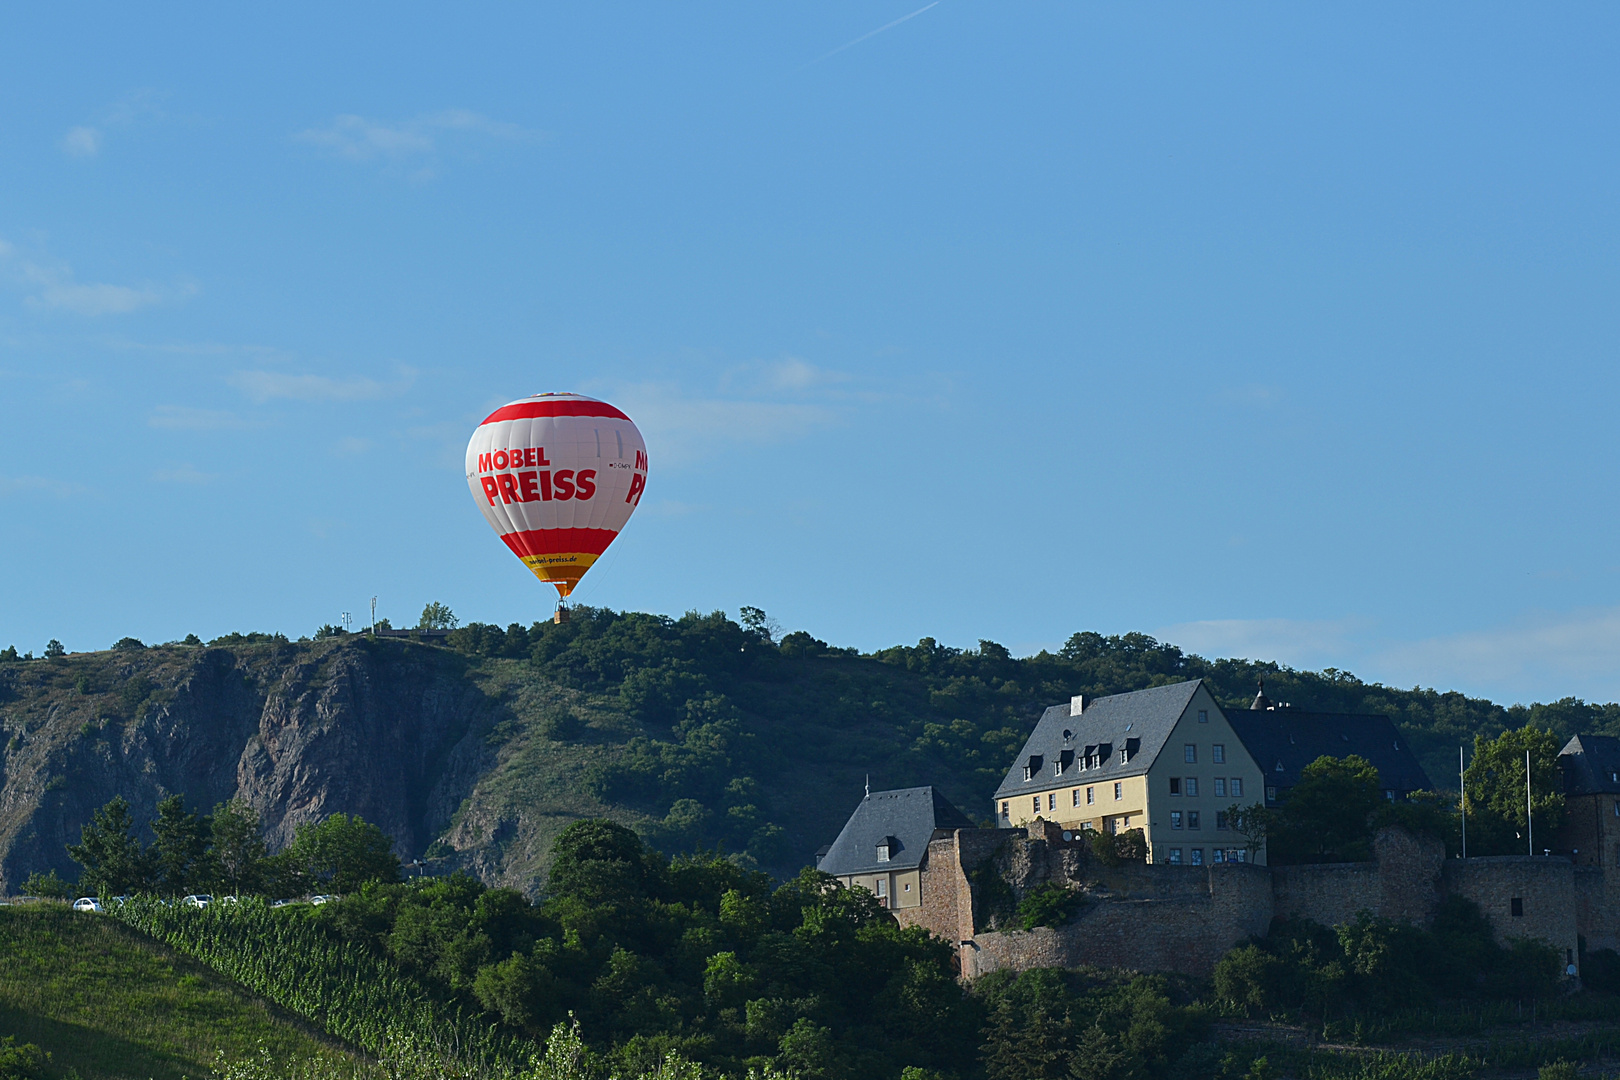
x: 557, y: 476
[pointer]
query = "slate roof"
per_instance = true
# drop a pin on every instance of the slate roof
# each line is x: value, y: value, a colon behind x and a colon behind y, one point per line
x: 1140, y: 720
x: 1284, y: 741
x: 909, y: 815
x: 1591, y: 765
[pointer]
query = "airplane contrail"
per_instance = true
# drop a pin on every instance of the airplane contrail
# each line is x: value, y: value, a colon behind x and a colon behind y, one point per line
x: 872, y: 33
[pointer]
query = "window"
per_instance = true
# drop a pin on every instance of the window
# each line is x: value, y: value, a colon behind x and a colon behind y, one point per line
x: 1220, y: 821
x: 1175, y: 789
x: 1517, y: 907
x: 1124, y: 756
x: 1189, y: 754
x: 1006, y: 809
x: 1271, y: 794
x: 1617, y: 808
x: 1051, y: 801
x: 1175, y: 856
x: 1203, y: 716
x: 1198, y: 856
x: 1217, y: 856
x: 1236, y: 855
x: 1091, y: 796
x: 1077, y: 796
x: 1192, y: 786
x: 1192, y: 819
x: 1217, y: 753
x: 1037, y: 804
x: 1220, y: 787
x: 1389, y: 794
x: 1175, y: 819
x: 908, y: 884
x: 1119, y: 791
x: 883, y: 886
x: 1237, y: 787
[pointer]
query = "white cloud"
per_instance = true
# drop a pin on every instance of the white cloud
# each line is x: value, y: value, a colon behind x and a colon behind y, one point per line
x: 44, y: 485
x: 263, y: 386
x: 184, y: 474
x: 1299, y: 643
x: 54, y: 287
x: 85, y: 140
x: 357, y: 138
x: 183, y: 418
x: 680, y: 429
x: 82, y: 142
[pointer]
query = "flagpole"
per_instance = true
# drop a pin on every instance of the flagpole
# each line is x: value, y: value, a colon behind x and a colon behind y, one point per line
x: 1462, y: 799
x: 1529, y: 822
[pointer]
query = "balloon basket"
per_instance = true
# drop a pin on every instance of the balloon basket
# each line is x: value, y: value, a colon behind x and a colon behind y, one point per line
x: 560, y: 616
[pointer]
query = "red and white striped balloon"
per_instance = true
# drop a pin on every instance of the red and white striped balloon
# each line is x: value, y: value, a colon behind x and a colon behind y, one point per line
x: 557, y: 476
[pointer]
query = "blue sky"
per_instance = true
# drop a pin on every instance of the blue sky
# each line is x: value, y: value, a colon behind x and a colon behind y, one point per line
x: 1276, y: 331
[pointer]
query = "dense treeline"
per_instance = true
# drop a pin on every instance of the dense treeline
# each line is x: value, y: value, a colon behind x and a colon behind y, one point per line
x: 225, y: 852
x: 717, y: 701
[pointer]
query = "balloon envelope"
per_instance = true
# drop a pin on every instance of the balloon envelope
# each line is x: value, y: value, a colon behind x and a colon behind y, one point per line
x: 557, y: 476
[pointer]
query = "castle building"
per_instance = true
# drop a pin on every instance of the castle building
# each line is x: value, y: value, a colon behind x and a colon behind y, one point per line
x: 1591, y: 768
x: 884, y: 844
x: 1164, y: 760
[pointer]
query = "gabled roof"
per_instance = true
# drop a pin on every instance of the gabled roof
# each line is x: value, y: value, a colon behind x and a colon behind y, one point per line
x: 1145, y: 716
x: 908, y: 816
x: 1284, y: 741
x: 1591, y: 765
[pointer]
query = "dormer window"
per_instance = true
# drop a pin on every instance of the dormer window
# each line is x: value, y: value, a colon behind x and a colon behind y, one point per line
x: 1032, y: 767
x: 887, y: 848
x: 1062, y: 762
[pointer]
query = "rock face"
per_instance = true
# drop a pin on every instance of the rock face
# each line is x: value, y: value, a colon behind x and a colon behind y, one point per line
x: 388, y: 730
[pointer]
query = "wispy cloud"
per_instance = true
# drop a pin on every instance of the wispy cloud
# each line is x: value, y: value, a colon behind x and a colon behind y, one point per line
x: 417, y: 141
x: 680, y: 428
x: 871, y: 34
x: 184, y: 418
x: 86, y: 140
x: 38, y: 485
x: 52, y: 286
x: 263, y: 386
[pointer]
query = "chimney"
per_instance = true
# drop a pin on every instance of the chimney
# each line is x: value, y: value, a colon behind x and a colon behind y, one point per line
x: 1077, y: 705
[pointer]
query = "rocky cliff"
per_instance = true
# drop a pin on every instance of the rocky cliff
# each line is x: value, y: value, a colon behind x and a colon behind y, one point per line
x: 397, y: 732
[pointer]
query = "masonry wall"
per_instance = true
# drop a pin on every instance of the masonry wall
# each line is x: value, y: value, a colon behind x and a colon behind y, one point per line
x: 1544, y: 886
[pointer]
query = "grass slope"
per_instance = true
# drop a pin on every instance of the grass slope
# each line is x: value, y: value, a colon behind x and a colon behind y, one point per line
x: 108, y: 1002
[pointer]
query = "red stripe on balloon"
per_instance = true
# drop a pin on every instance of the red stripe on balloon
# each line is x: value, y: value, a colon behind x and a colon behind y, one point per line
x: 559, y: 541
x: 527, y: 410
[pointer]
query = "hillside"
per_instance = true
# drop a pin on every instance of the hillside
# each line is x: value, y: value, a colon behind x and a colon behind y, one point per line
x: 697, y: 732
x: 108, y: 1002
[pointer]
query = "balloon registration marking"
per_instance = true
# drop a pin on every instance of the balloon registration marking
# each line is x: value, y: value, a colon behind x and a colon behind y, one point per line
x: 557, y: 477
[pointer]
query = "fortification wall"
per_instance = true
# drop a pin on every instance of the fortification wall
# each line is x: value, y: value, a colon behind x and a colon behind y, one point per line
x: 1188, y: 933
x: 1544, y: 889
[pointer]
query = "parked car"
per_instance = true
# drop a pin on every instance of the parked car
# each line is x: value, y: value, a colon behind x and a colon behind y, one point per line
x: 88, y: 903
x: 228, y: 900
x: 323, y: 899
x: 281, y: 903
x: 119, y: 900
x: 198, y: 900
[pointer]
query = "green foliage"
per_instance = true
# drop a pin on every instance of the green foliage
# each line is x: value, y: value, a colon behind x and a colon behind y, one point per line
x: 339, y: 854
x: 47, y: 885
x: 1494, y: 784
x: 9, y: 653
x: 54, y: 649
x: 111, y: 856
x: 1053, y: 1024
x: 129, y: 643
x: 1327, y: 816
x: 437, y: 616
x: 327, y: 630
x: 994, y: 902
x: 236, y: 850
x: 1049, y: 904
x: 191, y: 639
x: 1376, y: 966
x: 342, y: 986
x: 22, y: 1061
x: 178, y: 856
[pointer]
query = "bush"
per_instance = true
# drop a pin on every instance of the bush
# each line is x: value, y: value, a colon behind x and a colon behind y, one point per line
x: 21, y: 1061
x: 1252, y: 979
x: 53, y: 649
x: 1600, y: 971
x: 1050, y: 904
x: 47, y: 885
x: 129, y: 643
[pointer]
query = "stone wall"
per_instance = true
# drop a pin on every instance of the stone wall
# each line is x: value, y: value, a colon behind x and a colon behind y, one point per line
x: 1544, y: 889
x: 1185, y: 918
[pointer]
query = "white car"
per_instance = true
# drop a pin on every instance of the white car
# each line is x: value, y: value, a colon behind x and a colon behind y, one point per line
x: 323, y: 899
x: 228, y: 900
x: 198, y: 900
x: 87, y: 903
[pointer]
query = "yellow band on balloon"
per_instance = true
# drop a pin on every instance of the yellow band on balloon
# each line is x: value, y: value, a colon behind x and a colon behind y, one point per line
x: 562, y: 569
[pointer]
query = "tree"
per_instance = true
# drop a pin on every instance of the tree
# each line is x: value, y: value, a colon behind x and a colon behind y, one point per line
x: 9, y: 653
x: 48, y: 885
x: 437, y: 616
x: 1254, y: 823
x: 1494, y: 791
x: 129, y: 643
x: 342, y: 853
x: 181, y: 848
x: 53, y: 649
x: 238, y: 849
x: 107, y: 849
x: 1327, y: 816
